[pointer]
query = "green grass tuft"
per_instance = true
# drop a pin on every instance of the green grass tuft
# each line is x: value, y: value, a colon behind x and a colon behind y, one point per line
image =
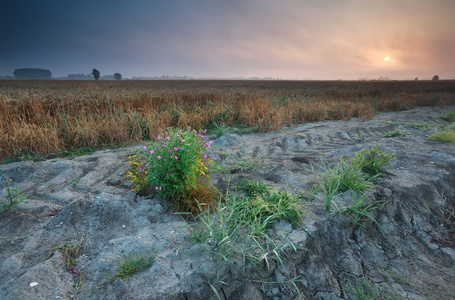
x: 394, y: 133
x: 239, y: 227
x: 131, y: 265
x: 443, y: 137
x: 449, y: 116
x: 374, y: 161
x: 356, y: 174
x: 424, y: 126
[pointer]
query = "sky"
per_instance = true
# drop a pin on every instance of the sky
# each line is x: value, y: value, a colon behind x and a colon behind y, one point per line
x: 287, y: 39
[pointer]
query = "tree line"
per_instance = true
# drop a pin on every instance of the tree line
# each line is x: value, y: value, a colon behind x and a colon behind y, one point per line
x: 36, y: 73
x: 30, y: 73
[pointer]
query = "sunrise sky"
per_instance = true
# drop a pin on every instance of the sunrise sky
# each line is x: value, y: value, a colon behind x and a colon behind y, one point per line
x: 288, y: 39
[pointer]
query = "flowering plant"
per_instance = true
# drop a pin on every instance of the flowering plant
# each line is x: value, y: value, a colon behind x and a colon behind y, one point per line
x: 136, y: 174
x: 174, y: 165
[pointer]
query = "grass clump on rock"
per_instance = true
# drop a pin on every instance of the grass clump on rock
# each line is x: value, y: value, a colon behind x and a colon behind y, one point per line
x: 396, y: 132
x: 424, y: 126
x: 374, y: 161
x: 241, y: 227
x: 132, y: 264
x: 443, y: 137
x: 449, y: 116
x: 355, y: 175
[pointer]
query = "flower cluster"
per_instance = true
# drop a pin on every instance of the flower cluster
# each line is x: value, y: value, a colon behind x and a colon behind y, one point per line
x: 173, y: 164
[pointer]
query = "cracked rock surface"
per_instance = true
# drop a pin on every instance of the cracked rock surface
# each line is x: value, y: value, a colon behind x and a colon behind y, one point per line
x: 88, y: 197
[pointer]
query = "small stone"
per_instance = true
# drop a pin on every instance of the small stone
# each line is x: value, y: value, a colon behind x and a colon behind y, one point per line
x: 432, y: 246
x: 32, y: 284
x: 275, y: 291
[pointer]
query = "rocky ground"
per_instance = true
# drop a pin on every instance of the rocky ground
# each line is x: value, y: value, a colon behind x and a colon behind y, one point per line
x: 86, y: 198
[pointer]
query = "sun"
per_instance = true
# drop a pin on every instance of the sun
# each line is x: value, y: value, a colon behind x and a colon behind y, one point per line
x: 386, y: 58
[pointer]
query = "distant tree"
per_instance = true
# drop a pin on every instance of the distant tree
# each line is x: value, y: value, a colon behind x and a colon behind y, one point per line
x: 30, y: 73
x: 435, y: 77
x: 117, y: 76
x: 417, y: 78
x: 96, y: 74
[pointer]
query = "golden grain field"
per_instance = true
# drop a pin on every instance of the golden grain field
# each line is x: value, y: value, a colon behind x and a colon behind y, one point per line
x: 42, y: 117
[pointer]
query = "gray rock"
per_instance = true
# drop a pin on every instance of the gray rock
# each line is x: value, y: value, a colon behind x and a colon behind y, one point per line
x: 227, y: 140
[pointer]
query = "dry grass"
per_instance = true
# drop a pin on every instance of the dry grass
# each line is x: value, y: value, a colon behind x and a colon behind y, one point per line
x: 41, y: 117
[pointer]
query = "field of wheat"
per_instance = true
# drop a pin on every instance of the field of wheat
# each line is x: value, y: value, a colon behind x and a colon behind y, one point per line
x: 39, y: 118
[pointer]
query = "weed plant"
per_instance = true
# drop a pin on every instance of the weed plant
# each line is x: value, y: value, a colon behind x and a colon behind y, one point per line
x: 175, y: 167
x: 14, y: 198
x: 361, y: 136
x: 357, y: 174
x: 351, y: 176
x: 361, y: 210
x: 131, y: 265
x: 394, y: 133
x: 239, y: 227
x: 347, y: 175
x: 424, y: 126
x: 449, y: 116
x: 443, y: 137
x: 266, y: 205
x: 70, y: 252
x: 218, y: 129
x: 302, y: 135
x: 374, y: 161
